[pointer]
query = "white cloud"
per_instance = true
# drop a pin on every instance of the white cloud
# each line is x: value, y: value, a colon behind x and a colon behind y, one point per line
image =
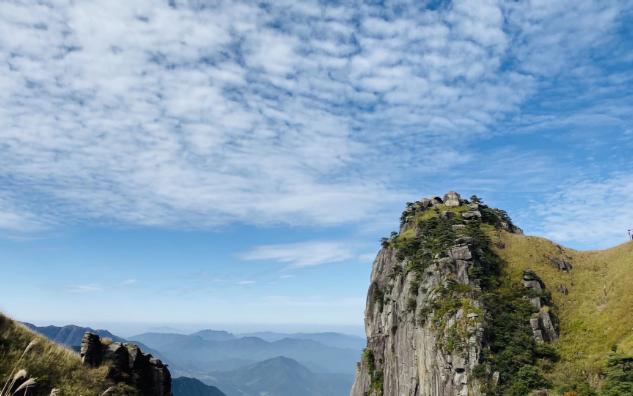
x: 196, y: 115
x: 303, y: 254
x: 246, y: 282
x: 128, y: 282
x: 88, y: 288
x: 16, y: 219
x: 589, y: 213
x: 314, y: 301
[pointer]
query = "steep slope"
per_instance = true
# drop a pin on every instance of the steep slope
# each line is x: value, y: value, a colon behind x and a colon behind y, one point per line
x: 461, y: 303
x: 184, y: 386
x: 279, y: 376
x: 594, y: 301
x: 52, y: 365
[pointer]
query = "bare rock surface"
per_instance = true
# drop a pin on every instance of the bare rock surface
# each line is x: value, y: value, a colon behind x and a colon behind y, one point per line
x: 128, y: 364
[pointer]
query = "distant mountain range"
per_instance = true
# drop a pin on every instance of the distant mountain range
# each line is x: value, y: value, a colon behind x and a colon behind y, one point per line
x: 185, y: 386
x: 280, y: 376
x: 71, y: 335
x: 206, y: 351
x: 336, y: 340
x: 253, y: 364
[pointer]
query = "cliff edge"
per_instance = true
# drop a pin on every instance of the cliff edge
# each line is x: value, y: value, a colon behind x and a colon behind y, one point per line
x: 439, y: 312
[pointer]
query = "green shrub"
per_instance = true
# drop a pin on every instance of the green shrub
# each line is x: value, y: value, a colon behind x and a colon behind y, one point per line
x: 527, y: 378
x: 618, y: 375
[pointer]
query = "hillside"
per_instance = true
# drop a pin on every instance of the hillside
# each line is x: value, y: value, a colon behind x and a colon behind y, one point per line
x: 185, y: 386
x: 52, y: 366
x: 594, y: 300
x: 462, y: 303
x: 279, y: 376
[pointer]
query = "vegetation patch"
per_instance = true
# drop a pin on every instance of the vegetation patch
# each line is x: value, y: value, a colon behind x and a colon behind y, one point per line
x: 375, y: 375
x: 51, y: 366
x: 618, y: 375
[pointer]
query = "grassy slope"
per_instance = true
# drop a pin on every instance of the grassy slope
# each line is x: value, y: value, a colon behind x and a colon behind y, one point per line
x: 596, y: 314
x: 52, y: 365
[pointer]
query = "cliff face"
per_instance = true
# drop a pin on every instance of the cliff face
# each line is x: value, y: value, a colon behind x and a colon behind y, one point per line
x: 127, y: 364
x: 428, y: 319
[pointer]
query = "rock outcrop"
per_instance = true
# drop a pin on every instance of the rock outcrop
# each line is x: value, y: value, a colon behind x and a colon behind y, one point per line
x: 543, y: 322
x: 417, y: 343
x: 127, y: 364
x: 425, y: 317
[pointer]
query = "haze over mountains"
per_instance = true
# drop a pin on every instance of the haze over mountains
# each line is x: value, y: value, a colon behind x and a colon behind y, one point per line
x: 250, y: 364
x: 280, y: 376
x: 195, y: 355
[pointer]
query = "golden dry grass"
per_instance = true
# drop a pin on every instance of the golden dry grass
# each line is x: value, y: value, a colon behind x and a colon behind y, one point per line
x: 597, y: 312
x: 52, y: 366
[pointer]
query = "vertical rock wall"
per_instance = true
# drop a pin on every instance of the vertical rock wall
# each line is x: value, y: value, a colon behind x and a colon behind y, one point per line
x: 421, y: 340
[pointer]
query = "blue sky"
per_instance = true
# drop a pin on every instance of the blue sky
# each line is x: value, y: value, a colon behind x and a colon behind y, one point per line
x: 235, y: 163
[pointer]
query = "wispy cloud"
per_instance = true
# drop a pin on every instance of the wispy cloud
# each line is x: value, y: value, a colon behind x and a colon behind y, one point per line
x: 128, y: 282
x: 303, y: 254
x: 190, y: 114
x: 314, y: 301
x: 246, y: 282
x: 589, y: 213
x: 87, y: 288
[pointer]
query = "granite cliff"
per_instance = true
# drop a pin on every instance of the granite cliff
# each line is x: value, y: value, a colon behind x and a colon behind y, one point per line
x: 447, y: 316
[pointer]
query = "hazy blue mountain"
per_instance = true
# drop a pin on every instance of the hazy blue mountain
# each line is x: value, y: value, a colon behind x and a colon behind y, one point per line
x: 71, y: 335
x: 214, y: 335
x: 194, y: 354
x: 185, y: 386
x: 280, y: 376
x: 337, y: 340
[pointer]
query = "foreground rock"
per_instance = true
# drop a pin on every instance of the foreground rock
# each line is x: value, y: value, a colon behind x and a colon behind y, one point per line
x: 127, y: 364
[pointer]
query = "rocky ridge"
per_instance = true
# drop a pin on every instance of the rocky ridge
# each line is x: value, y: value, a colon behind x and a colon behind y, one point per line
x: 127, y: 364
x: 428, y: 314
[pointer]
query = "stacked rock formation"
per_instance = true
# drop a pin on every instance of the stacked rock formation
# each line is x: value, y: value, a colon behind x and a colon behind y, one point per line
x: 542, y: 322
x: 128, y: 364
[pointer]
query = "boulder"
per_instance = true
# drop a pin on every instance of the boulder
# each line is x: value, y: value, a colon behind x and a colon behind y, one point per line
x: 436, y: 201
x: 91, y: 350
x: 447, y: 215
x: 460, y: 253
x: 470, y: 215
x: 452, y: 199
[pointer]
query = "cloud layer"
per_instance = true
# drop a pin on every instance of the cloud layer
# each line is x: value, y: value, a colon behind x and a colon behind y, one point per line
x: 594, y: 212
x: 303, y: 254
x: 190, y: 114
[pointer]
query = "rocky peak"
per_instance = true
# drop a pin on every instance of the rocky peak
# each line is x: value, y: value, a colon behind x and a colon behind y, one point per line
x: 452, y: 199
x: 429, y: 316
x: 127, y: 364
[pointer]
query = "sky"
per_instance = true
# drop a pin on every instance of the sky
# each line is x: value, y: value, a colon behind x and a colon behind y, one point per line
x: 235, y: 163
